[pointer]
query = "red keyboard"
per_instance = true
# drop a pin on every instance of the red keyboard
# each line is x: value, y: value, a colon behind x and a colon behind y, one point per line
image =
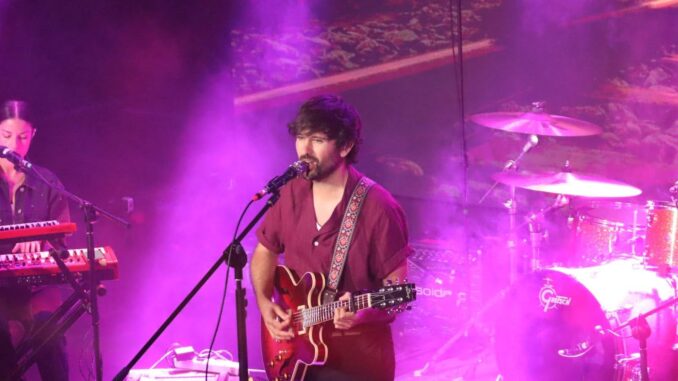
x: 40, y: 268
x: 35, y: 231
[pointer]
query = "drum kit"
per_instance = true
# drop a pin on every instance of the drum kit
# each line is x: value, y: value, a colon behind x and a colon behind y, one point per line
x: 607, y: 313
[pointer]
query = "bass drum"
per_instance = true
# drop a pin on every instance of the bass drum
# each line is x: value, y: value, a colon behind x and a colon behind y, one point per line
x: 559, y: 324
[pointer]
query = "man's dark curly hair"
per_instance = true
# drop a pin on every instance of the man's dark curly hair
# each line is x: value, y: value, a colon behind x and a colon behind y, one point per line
x: 331, y: 115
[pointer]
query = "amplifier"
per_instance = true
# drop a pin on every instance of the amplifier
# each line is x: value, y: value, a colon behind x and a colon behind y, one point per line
x: 448, y: 288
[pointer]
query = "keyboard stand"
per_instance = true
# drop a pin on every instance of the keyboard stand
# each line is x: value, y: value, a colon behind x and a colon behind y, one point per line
x: 58, y: 323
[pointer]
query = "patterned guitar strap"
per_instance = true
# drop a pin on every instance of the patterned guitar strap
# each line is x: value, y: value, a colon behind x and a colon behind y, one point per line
x: 345, y: 237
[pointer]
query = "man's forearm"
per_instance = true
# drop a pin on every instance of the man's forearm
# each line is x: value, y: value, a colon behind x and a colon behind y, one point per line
x: 262, y: 270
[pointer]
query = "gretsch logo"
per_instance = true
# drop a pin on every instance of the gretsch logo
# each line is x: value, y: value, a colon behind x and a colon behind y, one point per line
x: 549, y: 298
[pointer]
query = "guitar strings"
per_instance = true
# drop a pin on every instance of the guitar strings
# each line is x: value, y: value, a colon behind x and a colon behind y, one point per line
x: 315, y: 314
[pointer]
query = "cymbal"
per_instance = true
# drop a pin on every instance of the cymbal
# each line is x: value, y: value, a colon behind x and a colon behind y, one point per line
x: 537, y: 123
x: 567, y: 183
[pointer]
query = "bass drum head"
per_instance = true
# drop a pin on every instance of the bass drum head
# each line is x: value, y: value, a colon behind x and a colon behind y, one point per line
x: 547, y: 312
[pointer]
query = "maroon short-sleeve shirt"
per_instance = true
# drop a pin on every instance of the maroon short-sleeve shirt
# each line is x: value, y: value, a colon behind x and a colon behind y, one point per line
x: 380, y: 240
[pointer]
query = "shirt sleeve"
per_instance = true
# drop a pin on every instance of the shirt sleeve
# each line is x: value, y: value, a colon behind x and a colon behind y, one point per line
x: 269, y: 232
x: 389, y: 243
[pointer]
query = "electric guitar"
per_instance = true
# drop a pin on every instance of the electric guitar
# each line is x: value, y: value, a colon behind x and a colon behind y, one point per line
x: 289, y: 360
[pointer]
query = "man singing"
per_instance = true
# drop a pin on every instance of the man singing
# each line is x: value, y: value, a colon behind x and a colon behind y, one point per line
x: 304, y: 225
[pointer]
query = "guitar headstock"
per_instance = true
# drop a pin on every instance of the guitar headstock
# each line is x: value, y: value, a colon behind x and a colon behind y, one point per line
x: 393, y: 296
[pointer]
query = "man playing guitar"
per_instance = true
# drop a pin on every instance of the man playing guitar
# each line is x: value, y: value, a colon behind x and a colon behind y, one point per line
x: 304, y: 225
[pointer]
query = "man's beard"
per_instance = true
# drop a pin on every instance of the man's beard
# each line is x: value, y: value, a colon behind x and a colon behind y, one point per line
x: 317, y: 171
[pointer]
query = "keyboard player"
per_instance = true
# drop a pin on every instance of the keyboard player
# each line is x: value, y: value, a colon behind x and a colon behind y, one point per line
x: 25, y: 199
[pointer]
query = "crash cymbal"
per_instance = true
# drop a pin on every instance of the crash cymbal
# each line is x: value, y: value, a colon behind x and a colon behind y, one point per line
x: 537, y: 123
x: 567, y: 183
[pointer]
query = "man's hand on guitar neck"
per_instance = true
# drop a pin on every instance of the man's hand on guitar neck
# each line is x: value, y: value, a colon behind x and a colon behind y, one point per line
x: 344, y: 319
x: 276, y: 319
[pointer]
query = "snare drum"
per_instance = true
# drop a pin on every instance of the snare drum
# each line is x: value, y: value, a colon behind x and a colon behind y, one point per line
x: 603, y: 230
x: 559, y: 324
x: 661, y: 244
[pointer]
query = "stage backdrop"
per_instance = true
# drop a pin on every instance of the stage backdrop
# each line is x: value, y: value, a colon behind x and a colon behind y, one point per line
x: 610, y: 63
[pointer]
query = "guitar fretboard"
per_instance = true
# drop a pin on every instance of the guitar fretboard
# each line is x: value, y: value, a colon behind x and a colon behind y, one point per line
x: 311, y: 316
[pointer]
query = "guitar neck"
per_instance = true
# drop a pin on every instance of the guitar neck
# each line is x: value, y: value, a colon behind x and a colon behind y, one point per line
x: 316, y: 315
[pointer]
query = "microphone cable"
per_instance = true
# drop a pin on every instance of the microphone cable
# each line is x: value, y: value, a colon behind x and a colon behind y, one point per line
x: 223, y: 297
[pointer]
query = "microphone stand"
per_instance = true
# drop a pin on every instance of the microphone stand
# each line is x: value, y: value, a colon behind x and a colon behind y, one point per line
x: 641, y: 331
x: 238, y: 260
x: 90, y: 212
x: 512, y: 207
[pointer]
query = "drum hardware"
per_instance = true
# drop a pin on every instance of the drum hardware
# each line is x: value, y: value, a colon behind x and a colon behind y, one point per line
x: 641, y: 331
x: 512, y: 164
x: 565, y: 323
x: 601, y: 230
x: 568, y: 183
x: 579, y: 350
x: 512, y: 208
x: 536, y: 122
x: 534, y: 223
x: 563, y: 183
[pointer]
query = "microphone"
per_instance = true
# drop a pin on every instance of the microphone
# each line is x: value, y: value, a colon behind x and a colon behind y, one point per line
x: 15, y: 158
x: 531, y: 143
x: 294, y: 170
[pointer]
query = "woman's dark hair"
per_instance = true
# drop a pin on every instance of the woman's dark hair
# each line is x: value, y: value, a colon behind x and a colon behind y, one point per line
x: 331, y: 115
x: 15, y: 110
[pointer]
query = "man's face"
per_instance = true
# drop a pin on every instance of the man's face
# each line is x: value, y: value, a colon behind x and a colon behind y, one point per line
x: 16, y: 134
x: 321, y: 153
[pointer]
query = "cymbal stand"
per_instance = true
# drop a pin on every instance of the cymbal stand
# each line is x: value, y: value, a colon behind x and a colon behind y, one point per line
x: 512, y: 208
x: 512, y: 243
x: 535, y: 226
